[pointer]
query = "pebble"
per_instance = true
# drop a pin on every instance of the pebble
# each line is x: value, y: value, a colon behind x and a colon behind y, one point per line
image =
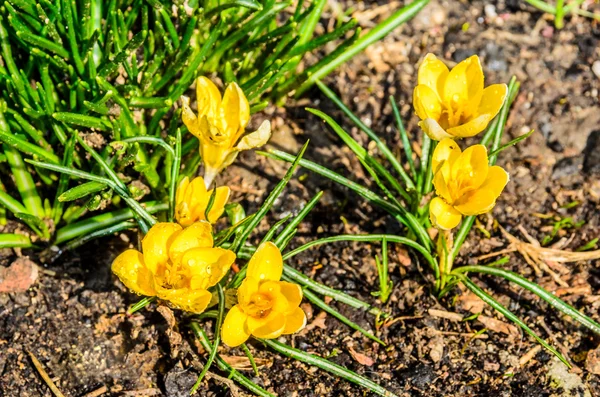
x: 490, y: 11
x: 596, y: 68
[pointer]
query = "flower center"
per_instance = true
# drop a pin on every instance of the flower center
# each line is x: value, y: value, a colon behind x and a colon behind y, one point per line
x: 259, y: 306
x: 456, y: 112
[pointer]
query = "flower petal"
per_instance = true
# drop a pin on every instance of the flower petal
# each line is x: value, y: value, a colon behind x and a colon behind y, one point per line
x: 248, y: 287
x: 154, y: 245
x: 433, y: 73
x: 471, y: 127
x: 189, y: 117
x: 294, y: 321
x: 268, y: 327
x: 496, y: 180
x: 443, y: 215
x: 180, y: 194
x: 426, y: 103
x: 465, y: 82
x: 234, y: 331
x: 196, y: 194
x: 131, y: 270
x: 484, y: 198
x: 266, y: 263
x: 292, y: 292
x: 206, y: 266
x: 208, y: 98
x: 193, y: 301
x: 218, y: 206
x: 257, y: 138
x: 492, y: 99
x: 446, y: 151
x: 439, y: 182
x: 433, y: 129
x: 470, y: 169
x: 476, y: 202
x: 236, y: 108
x: 198, y: 234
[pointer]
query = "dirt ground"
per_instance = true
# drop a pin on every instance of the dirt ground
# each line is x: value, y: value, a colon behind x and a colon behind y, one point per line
x: 73, y: 319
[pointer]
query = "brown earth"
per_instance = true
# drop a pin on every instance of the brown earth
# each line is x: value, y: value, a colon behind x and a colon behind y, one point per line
x: 73, y: 319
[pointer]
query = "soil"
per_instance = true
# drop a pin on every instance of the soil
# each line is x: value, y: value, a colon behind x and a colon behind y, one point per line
x: 74, y: 317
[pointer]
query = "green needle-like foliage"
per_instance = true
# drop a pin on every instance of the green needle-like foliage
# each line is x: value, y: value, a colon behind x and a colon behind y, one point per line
x: 78, y: 74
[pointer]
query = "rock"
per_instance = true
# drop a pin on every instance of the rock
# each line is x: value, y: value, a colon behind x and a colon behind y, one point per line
x: 490, y: 11
x: 592, y: 363
x: 419, y: 375
x: 178, y: 382
x: 567, y: 167
x: 19, y: 276
x: 591, y: 153
x: 565, y: 383
x: 596, y: 68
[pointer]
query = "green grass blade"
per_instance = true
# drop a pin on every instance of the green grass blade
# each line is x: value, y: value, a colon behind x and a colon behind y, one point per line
x: 290, y: 227
x: 235, y: 375
x: 268, y: 203
x: 217, y: 338
x: 28, y: 148
x: 82, y: 190
x: 390, y: 238
x: 72, y: 172
x: 509, y: 315
x: 110, y: 230
x: 362, y: 155
x: 328, y: 366
x: 102, y: 221
x: 9, y: 240
x: 400, y: 213
x: 511, y: 143
x: 10, y: 203
x: 385, y: 150
x: 175, y: 173
x: 552, y: 299
x: 377, y: 33
x: 24, y: 181
x: 404, y: 136
x: 494, y: 133
x: 314, y: 299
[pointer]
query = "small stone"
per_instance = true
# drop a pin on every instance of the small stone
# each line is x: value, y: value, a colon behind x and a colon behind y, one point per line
x: 592, y: 362
x: 596, y: 68
x: 19, y: 276
x: 490, y: 11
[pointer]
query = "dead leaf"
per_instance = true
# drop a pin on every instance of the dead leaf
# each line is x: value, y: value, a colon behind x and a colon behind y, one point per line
x: 19, y: 276
x: 470, y: 302
x: 361, y: 358
x: 592, y: 362
x: 499, y: 326
x: 436, y: 352
x: 403, y: 257
x: 172, y: 333
x: 318, y: 322
x: 242, y: 363
x: 446, y: 315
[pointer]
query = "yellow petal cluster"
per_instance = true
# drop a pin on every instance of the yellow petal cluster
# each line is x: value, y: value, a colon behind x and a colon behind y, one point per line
x: 192, y: 199
x: 267, y: 307
x: 464, y: 183
x: 454, y: 103
x: 177, y: 265
x: 220, y: 125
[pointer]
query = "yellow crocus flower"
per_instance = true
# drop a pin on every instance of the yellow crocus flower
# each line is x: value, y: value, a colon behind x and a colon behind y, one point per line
x: 177, y: 265
x: 464, y: 182
x: 192, y: 198
x: 267, y: 307
x: 454, y: 104
x: 220, y: 125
